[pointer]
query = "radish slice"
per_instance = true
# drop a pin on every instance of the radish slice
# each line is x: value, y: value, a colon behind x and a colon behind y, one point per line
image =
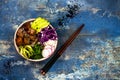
x: 49, y: 48
x: 47, y: 51
x: 51, y: 42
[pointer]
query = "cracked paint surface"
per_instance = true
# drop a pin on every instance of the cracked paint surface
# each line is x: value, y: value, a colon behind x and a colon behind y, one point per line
x: 93, y: 55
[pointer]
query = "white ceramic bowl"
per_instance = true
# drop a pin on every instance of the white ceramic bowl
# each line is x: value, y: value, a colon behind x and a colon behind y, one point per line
x: 18, y: 48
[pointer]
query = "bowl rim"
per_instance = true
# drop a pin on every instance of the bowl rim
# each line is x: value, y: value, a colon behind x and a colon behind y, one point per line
x: 16, y: 47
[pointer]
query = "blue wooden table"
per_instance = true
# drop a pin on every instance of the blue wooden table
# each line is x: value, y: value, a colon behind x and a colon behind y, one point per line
x: 93, y: 55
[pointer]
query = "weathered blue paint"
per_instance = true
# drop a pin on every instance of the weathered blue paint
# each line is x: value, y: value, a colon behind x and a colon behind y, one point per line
x: 94, y: 55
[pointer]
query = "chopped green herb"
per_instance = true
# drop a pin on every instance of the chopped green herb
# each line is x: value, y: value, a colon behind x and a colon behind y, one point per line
x: 37, y: 51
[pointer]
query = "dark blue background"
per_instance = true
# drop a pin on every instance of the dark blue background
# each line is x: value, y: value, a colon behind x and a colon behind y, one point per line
x: 93, y: 55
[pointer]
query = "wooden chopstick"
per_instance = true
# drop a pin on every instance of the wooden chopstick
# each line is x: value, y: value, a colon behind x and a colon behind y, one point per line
x: 49, y: 64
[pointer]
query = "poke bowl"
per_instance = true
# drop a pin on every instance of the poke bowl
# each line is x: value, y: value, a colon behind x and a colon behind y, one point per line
x: 35, y: 39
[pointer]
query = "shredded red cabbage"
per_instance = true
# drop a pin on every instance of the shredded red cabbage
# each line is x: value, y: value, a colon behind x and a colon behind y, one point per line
x: 47, y: 33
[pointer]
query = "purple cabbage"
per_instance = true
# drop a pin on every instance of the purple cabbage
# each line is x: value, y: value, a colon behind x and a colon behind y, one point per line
x: 46, y: 34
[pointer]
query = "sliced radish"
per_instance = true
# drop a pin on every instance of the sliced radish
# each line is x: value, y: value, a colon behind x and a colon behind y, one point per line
x: 49, y: 48
x: 47, y: 51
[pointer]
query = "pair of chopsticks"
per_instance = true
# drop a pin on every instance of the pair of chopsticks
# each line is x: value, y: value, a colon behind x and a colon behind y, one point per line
x: 49, y: 64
